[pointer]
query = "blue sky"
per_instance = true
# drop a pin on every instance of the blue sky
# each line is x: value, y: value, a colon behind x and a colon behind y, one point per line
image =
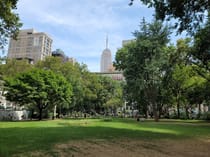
x: 79, y: 27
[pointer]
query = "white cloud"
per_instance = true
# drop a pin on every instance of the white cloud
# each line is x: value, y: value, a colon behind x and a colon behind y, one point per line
x: 79, y: 27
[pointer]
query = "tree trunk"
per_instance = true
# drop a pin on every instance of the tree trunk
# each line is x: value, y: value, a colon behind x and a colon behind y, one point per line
x: 187, y: 112
x: 178, y: 106
x: 145, y: 111
x: 152, y: 93
x: 40, y: 113
x: 54, y: 112
x: 32, y: 113
x: 155, y: 112
x: 199, y: 110
x: 178, y: 112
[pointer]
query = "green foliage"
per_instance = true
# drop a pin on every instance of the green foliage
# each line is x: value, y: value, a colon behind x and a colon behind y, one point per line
x: 143, y: 63
x: 38, y: 88
x: 185, y: 84
x: 72, y: 73
x: 9, y: 21
x: 13, y: 66
x: 201, y: 49
x: 205, y: 116
x: 111, y: 89
x: 90, y: 91
x: 188, y: 14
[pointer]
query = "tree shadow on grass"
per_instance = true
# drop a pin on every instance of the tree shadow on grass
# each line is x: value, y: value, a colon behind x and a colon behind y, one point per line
x: 22, y: 140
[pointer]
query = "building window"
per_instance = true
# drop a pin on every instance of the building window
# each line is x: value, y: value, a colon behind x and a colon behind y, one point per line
x: 36, y: 41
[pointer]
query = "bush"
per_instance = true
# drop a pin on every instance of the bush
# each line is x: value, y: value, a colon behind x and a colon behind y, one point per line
x: 205, y: 116
x: 173, y: 116
x: 183, y: 116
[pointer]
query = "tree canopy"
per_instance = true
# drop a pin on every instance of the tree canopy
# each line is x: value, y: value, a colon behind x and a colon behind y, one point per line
x: 143, y: 63
x: 9, y: 21
x: 188, y: 13
x: 39, y: 88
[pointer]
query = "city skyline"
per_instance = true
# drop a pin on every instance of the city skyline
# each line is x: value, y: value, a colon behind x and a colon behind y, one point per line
x: 79, y: 28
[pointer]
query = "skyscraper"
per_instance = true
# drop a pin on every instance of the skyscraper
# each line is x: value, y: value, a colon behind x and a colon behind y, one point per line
x: 30, y: 45
x: 106, y: 59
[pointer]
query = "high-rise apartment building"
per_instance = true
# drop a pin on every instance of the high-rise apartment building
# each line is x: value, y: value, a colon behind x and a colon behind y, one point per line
x: 30, y: 45
x: 106, y: 59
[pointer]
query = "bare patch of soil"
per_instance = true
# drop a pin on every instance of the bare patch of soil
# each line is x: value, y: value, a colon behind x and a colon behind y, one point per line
x: 130, y: 148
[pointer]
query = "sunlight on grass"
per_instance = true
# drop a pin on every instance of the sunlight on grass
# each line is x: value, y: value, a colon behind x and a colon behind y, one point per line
x: 157, y: 130
x: 138, y: 126
x: 16, y: 137
x: 91, y: 123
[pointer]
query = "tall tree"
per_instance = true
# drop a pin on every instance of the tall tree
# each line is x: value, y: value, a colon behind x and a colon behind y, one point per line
x: 179, y: 71
x: 145, y: 63
x: 196, y: 91
x: 9, y: 21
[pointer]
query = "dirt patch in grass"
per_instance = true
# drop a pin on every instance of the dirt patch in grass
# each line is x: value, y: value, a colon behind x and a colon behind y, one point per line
x: 130, y: 148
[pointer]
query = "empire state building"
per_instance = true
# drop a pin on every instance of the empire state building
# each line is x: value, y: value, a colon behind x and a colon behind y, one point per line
x: 106, y: 59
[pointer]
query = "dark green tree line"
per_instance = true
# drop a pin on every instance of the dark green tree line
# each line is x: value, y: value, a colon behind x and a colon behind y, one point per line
x: 90, y: 92
x: 41, y: 89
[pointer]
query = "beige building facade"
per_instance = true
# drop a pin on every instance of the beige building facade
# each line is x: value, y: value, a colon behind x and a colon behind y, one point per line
x: 30, y: 45
x: 116, y: 75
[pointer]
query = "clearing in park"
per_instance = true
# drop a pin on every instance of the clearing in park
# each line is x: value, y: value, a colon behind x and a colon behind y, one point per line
x: 105, y: 138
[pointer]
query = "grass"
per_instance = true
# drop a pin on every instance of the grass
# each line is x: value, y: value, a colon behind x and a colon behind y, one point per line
x: 22, y: 137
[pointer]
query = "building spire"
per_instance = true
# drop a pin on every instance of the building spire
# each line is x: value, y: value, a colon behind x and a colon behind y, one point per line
x: 107, y: 41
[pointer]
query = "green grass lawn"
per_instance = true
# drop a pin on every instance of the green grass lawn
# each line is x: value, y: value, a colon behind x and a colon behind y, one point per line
x: 23, y: 137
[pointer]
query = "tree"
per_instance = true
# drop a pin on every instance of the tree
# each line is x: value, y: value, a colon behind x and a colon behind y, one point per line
x: 111, y: 94
x: 13, y: 66
x: 189, y: 13
x: 72, y: 73
x: 9, y: 21
x: 179, y: 69
x: 196, y: 91
x: 145, y: 63
x: 92, y: 92
x: 182, y: 79
x: 42, y: 89
x: 201, y: 50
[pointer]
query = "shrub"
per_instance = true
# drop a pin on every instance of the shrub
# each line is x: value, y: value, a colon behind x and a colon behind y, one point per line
x: 205, y: 116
